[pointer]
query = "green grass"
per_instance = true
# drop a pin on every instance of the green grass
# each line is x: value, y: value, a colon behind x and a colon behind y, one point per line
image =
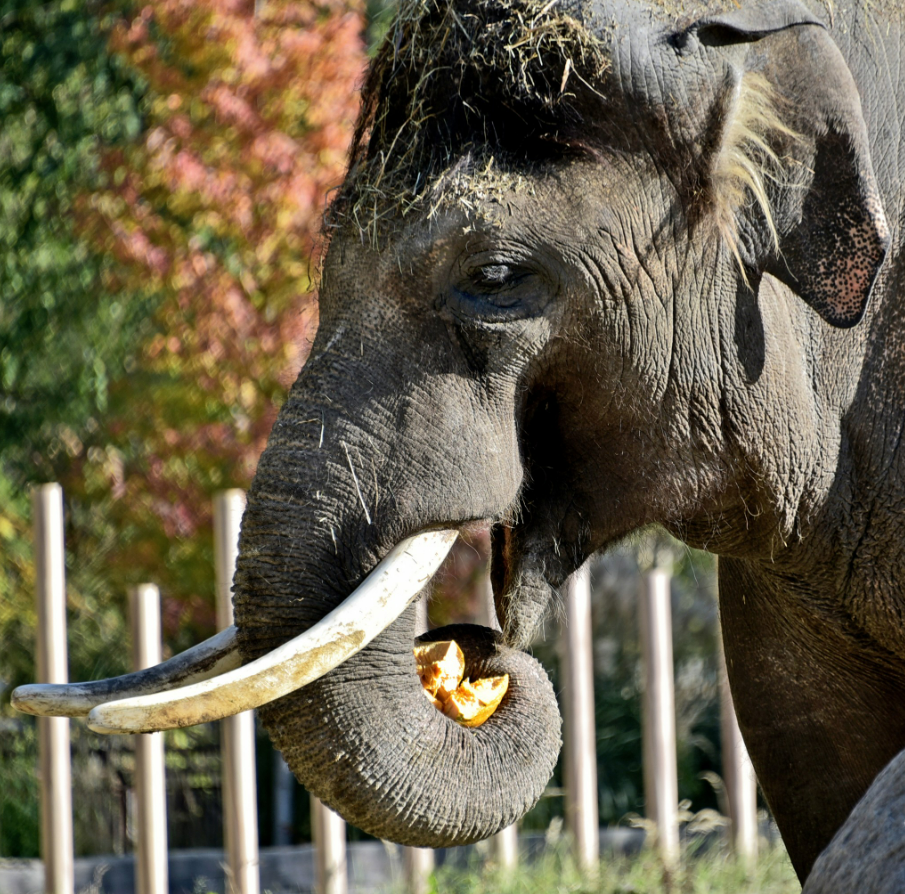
x: 555, y: 873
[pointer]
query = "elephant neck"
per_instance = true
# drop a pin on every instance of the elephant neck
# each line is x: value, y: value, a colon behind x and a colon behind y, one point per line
x: 821, y: 508
x: 816, y: 629
x: 867, y: 546
x: 835, y: 699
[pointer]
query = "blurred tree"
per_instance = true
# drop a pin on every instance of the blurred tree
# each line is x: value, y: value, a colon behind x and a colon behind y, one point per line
x: 63, y: 336
x: 217, y: 209
x: 162, y: 179
x: 62, y: 95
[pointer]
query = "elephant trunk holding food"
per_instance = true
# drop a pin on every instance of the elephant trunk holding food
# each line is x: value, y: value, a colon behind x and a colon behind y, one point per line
x: 382, y: 465
x: 596, y: 264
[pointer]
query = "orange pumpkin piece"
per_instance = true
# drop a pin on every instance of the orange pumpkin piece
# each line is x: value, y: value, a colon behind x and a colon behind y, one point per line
x: 473, y: 703
x: 440, y: 666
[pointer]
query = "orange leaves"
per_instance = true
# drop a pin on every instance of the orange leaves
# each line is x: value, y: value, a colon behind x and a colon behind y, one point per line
x: 248, y: 132
x: 217, y: 209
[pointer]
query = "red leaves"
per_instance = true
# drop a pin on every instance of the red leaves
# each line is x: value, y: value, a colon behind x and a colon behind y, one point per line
x: 218, y: 208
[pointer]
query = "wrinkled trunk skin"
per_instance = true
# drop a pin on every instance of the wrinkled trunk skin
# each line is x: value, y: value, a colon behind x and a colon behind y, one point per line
x: 376, y: 442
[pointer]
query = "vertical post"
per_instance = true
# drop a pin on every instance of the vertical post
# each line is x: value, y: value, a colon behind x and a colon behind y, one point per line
x: 151, y: 871
x: 417, y: 866
x: 53, y: 667
x: 329, y: 833
x: 661, y: 788
x: 738, y: 777
x: 503, y: 845
x: 418, y: 862
x: 578, y: 715
x: 421, y: 621
x: 283, y: 784
x: 240, y: 808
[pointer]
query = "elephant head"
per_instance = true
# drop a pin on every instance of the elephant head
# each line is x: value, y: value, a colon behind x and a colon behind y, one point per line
x: 552, y: 302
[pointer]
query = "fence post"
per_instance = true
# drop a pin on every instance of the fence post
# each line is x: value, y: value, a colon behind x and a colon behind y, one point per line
x: 418, y: 862
x: 240, y: 808
x: 283, y: 798
x: 738, y: 777
x: 53, y: 667
x: 661, y: 789
x: 151, y: 871
x: 578, y: 715
x: 417, y: 865
x: 503, y: 845
x: 329, y: 834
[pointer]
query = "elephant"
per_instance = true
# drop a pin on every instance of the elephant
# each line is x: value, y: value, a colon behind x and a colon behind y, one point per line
x: 596, y: 264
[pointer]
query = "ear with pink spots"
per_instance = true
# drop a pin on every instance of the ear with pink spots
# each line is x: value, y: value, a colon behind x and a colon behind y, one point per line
x: 833, y: 233
x: 833, y: 255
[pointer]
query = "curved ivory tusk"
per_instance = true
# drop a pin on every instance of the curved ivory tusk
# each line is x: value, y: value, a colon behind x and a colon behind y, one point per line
x: 211, y: 658
x: 374, y: 605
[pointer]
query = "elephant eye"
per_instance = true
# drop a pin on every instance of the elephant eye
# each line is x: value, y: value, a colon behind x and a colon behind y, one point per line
x: 498, y: 292
x: 498, y: 275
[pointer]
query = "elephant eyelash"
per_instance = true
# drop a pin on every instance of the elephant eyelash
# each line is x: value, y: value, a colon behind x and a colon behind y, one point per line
x: 498, y: 279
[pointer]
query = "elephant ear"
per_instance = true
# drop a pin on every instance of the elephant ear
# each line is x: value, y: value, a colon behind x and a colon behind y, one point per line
x: 832, y: 234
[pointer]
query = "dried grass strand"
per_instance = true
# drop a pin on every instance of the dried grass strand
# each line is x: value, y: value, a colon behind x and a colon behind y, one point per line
x: 746, y: 160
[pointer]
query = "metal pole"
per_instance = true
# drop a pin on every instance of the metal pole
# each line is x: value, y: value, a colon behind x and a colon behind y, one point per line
x: 240, y: 808
x: 579, y: 730
x: 418, y: 862
x: 151, y: 871
x: 503, y: 845
x: 661, y: 788
x: 329, y: 833
x: 53, y: 732
x: 738, y: 777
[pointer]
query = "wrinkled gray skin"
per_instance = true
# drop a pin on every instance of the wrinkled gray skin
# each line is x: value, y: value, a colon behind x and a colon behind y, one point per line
x: 581, y: 357
x: 868, y: 852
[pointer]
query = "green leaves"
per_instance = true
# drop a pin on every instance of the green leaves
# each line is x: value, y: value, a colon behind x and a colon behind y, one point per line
x: 162, y: 179
x: 62, y: 338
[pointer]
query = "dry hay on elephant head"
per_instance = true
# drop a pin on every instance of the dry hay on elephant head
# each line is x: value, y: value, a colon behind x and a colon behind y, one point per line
x: 451, y: 78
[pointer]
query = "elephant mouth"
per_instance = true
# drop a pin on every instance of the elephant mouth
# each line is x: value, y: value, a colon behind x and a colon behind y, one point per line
x: 209, y: 682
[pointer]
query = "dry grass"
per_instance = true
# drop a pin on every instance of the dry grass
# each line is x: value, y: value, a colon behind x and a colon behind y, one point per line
x: 459, y: 87
x: 446, y: 76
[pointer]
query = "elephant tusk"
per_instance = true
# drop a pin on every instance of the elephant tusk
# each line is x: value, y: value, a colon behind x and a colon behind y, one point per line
x: 371, y: 608
x: 211, y: 658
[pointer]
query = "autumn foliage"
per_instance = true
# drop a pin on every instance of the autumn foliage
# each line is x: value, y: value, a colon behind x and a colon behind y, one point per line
x: 218, y: 209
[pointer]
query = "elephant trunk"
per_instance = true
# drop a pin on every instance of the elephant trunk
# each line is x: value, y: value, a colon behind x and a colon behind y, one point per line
x: 363, y: 738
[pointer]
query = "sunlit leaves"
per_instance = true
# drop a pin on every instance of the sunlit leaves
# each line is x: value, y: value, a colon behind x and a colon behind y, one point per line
x: 217, y: 209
